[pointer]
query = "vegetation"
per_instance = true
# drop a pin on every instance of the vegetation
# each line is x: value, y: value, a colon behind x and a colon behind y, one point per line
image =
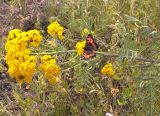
x: 123, y: 78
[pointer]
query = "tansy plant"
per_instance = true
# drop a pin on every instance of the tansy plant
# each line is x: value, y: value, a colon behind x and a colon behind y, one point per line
x: 22, y: 65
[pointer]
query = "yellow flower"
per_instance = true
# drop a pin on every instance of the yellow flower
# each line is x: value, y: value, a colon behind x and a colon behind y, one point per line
x: 34, y: 37
x: 45, y: 58
x: 108, y: 70
x: 52, y: 27
x: 55, y: 29
x: 28, y: 78
x: 59, y: 33
x: 52, y: 61
x: 32, y: 59
x: 20, y: 79
x: 11, y: 71
x: 13, y: 34
x: 49, y: 68
x: 61, y: 37
x: 21, y: 64
x: 53, y: 80
x: 80, y: 47
x: 92, y: 32
x: 85, y: 32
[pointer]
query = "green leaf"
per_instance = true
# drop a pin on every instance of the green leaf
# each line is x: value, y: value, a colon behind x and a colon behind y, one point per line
x: 131, y: 19
x: 121, y: 103
x: 136, y: 73
x: 127, y: 93
x: 117, y: 78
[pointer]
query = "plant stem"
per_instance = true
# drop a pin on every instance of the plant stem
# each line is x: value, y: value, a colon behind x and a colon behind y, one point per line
x: 100, y: 53
x: 51, y: 53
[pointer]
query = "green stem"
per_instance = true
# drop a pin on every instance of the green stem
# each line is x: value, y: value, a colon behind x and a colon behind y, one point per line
x: 105, y: 54
x: 51, y: 53
x: 48, y: 46
x: 100, y: 53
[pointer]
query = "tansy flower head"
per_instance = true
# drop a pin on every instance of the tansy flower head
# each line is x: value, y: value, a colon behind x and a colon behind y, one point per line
x: 85, y: 32
x: 14, y: 33
x: 56, y: 29
x: 108, y: 70
x: 50, y: 69
x: 34, y: 38
x: 22, y: 40
x: 45, y: 58
x: 53, y: 80
x: 80, y: 47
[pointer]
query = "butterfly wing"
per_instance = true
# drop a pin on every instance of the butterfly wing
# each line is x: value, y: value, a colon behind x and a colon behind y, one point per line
x: 90, y: 46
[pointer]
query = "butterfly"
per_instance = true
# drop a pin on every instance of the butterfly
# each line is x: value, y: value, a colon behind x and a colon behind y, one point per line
x: 90, y: 47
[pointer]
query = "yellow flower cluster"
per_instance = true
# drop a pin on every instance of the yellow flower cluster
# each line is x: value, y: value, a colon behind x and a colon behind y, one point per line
x: 85, y: 32
x: 108, y: 70
x: 56, y: 29
x: 21, y: 63
x: 80, y: 47
x: 50, y: 68
x: 34, y: 38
